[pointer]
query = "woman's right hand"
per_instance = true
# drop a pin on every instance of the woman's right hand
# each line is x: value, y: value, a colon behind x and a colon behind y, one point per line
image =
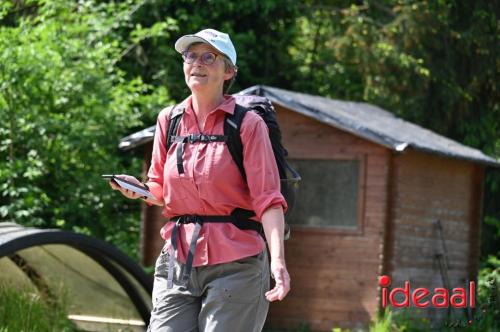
x: 282, y: 279
x: 125, y: 192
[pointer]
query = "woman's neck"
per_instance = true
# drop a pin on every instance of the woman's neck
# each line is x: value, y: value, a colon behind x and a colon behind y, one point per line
x: 204, y: 103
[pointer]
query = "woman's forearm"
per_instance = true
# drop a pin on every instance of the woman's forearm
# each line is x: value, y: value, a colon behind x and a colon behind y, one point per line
x: 273, y: 222
x: 153, y: 201
x: 156, y: 189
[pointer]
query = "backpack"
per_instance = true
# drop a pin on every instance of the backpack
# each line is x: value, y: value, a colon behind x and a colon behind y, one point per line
x: 289, y: 177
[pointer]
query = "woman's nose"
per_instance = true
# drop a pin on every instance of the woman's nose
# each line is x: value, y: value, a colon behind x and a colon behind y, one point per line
x: 197, y: 61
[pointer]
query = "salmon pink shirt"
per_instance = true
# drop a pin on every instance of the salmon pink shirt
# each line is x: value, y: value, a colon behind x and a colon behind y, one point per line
x: 212, y: 183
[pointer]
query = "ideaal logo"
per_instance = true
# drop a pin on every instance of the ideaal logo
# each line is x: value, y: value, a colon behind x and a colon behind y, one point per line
x: 422, y: 297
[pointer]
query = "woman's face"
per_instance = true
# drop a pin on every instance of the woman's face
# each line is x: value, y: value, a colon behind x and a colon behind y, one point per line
x: 201, y: 77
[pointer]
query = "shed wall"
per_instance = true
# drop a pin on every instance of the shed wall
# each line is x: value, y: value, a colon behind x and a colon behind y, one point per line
x: 427, y: 188
x: 334, y: 272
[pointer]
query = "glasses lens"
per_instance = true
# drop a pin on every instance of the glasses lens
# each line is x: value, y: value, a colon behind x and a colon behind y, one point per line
x: 208, y: 58
x: 189, y: 57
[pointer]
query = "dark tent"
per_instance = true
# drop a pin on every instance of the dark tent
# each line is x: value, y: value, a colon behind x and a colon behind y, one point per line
x: 104, y: 287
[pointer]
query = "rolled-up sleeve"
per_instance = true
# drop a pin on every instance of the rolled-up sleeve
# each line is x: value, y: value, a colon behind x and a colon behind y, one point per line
x: 158, y: 156
x: 260, y: 165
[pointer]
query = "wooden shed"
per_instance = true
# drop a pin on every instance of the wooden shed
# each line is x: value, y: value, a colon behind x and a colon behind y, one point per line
x: 374, y: 188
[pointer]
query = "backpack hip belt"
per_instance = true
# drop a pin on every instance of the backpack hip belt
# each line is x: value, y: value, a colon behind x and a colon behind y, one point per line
x: 239, y: 217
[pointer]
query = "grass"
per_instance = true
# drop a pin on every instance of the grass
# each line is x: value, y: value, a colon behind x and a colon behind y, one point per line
x: 25, y: 311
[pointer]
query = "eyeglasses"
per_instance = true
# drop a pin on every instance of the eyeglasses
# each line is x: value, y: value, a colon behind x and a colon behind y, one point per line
x: 207, y: 58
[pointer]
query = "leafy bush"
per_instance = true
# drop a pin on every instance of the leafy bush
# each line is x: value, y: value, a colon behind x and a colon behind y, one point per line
x: 65, y: 104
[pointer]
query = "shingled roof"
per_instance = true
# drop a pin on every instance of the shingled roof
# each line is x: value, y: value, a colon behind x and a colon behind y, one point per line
x: 361, y: 119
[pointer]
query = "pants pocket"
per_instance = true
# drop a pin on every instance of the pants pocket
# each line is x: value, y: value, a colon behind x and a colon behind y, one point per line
x: 241, y: 280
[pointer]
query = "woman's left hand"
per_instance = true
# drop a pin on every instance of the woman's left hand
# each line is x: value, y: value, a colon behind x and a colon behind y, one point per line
x: 282, y: 279
x: 125, y: 192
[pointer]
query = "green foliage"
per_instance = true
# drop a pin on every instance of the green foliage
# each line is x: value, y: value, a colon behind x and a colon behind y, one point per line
x: 431, y: 62
x: 64, y: 106
x: 381, y: 325
x: 489, y: 290
x: 35, y: 313
x: 260, y: 30
x: 402, y: 321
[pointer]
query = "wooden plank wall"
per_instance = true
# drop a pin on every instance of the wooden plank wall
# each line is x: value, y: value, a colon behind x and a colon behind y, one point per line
x: 427, y: 188
x: 334, y: 273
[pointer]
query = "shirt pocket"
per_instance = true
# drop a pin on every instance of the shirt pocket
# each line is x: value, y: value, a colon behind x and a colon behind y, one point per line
x: 220, y: 175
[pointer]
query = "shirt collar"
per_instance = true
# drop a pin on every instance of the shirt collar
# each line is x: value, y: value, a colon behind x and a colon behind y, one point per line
x: 227, y: 105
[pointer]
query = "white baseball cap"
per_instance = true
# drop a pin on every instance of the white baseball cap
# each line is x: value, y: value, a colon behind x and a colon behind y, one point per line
x: 219, y: 40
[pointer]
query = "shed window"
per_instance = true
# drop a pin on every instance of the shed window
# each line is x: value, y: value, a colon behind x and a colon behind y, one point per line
x: 328, y: 193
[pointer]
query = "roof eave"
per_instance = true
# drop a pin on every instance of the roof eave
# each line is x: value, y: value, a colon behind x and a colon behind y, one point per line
x: 392, y: 144
x: 487, y: 161
x: 146, y: 135
x: 137, y: 139
x: 323, y: 118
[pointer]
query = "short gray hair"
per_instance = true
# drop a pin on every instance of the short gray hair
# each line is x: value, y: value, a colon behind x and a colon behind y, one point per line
x: 227, y: 66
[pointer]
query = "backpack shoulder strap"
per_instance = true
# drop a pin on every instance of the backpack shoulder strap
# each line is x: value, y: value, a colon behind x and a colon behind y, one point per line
x: 232, y: 126
x: 174, y: 117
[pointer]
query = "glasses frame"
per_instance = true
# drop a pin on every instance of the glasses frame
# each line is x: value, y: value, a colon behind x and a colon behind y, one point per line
x: 199, y: 56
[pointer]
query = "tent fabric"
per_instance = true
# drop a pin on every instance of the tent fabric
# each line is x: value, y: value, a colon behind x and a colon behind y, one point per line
x: 101, y: 282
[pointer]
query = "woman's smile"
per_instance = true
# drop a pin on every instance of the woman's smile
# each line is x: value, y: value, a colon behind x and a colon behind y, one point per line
x: 198, y: 75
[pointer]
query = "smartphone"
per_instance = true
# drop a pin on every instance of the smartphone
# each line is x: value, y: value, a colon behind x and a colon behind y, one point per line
x: 109, y: 177
x: 141, y: 190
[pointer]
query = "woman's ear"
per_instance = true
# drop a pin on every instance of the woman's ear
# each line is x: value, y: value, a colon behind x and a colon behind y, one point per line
x: 230, y: 73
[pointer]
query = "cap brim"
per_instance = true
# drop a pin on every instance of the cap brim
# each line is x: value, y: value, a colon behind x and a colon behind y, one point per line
x: 183, y: 43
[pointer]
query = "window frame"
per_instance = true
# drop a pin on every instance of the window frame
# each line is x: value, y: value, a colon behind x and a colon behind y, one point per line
x: 360, y: 210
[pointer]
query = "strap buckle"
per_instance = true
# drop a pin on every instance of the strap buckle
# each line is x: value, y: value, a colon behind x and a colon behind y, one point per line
x: 190, y: 220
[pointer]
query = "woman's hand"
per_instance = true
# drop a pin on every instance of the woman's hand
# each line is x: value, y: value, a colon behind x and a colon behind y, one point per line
x: 282, y: 279
x: 125, y: 192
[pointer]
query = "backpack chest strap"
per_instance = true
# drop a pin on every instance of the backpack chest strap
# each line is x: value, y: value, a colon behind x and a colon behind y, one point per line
x: 192, y: 138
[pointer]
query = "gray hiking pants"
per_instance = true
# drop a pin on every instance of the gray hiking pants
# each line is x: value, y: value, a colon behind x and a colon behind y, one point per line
x: 226, y: 297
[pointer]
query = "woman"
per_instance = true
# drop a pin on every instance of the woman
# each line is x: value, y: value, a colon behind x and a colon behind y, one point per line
x: 227, y: 288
